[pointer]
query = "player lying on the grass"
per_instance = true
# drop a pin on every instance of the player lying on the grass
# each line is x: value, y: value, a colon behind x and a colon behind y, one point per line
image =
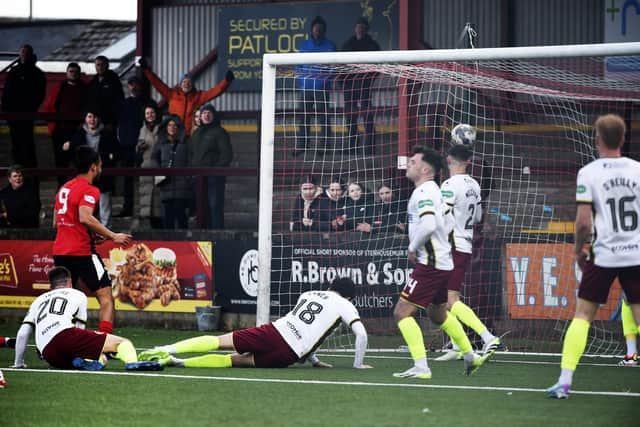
x: 462, y: 194
x: 630, y: 330
x: 58, y: 317
x: 290, y: 339
x: 430, y: 250
x: 608, y: 198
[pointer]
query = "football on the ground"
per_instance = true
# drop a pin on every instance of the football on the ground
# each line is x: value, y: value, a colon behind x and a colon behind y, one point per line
x: 463, y: 134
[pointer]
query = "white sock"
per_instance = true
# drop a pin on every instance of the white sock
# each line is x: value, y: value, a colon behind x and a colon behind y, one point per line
x: 468, y: 356
x: 566, y: 376
x: 487, y: 336
x: 421, y: 364
x: 171, y: 349
x: 632, y: 346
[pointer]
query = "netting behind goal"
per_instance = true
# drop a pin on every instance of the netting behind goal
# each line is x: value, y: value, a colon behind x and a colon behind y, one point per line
x: 354, y: 123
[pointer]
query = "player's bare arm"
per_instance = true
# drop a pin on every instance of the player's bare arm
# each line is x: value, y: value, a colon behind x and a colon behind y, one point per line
x: 583, y: 231
x: 88, y: 220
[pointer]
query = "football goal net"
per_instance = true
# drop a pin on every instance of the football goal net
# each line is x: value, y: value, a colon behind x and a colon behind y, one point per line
x: 336, y: 130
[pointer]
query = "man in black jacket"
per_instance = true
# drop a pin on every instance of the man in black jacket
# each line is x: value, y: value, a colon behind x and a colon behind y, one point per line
x: 357, y: 90
x: 105, y: 94
x: 24, y: 91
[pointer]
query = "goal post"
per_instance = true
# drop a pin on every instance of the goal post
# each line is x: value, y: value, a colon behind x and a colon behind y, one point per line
x: 533, y: 108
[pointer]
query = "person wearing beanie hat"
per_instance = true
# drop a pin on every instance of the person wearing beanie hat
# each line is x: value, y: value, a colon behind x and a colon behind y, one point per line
x: 357, y: 90
x: 185, y: 99
x: 314, y: 84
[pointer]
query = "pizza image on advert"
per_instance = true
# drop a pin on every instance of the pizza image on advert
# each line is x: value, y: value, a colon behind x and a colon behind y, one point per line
x: 143, y: 275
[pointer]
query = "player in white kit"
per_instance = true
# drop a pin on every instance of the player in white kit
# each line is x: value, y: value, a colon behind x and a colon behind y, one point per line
x: 290, y: 339
x: 608, y: 198
x: 430, y: 250
x: 461, y: 193
x: 58, y: 317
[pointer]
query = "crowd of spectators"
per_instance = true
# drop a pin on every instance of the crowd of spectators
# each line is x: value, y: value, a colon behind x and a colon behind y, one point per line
x: 126, y: 131
x: 356, y: 209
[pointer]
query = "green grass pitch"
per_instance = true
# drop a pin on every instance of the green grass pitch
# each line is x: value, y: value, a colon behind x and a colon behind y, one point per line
x: 506, y: 392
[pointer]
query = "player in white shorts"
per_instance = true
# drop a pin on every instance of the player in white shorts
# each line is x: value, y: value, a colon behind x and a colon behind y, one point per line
x: 608, y: 198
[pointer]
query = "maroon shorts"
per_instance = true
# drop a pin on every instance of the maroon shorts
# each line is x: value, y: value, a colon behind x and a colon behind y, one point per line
x: 266, y: 344
x: 427, y: 285
x: 72, y: 343
x: 596, y: 282
x: 460, y: 265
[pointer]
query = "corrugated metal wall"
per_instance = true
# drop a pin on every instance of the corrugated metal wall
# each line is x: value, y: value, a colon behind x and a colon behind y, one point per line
x: 445, y: 19
x: 557, y: 22
x: 535, y: 22
x: 181, y: 37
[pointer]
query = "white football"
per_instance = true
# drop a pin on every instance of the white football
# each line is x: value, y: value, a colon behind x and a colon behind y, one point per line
x: 463, y: 134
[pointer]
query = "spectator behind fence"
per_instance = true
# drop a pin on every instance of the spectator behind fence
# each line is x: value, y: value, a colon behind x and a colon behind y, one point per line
x: 70, y: 97
x: 210, y: 147
x: 183, y: 101
x: 358, y: 208
x: 389, y: 214
x: 24, y: 90
x: 175, y: 191
x: 357, y: 90
x: 314, y: 84
x: 105, y: 94
x: 149, y: 208
x: 335, y: 200
x: 19, y: 202
x: 129, y: 122
x: 310, y: 212
x: 100, y: 138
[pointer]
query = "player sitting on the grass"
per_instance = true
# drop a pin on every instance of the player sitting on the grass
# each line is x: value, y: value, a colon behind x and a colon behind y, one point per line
x: 290, y: 339
x: 462, y: 194
x: 58, y: 317
x: 608, y: 198
x: 430, y: 250
x: 630, y: 331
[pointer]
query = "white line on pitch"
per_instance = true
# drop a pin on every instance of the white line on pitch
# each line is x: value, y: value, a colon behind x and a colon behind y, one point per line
x: 321, y: 382
x: 524, y: 362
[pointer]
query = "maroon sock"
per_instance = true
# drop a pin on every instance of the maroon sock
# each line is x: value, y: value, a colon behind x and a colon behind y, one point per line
x: 106, y: 327
x: 3, y: 340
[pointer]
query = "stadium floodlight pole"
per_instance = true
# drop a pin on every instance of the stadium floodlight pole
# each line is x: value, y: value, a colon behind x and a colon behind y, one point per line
x: 267, y: 136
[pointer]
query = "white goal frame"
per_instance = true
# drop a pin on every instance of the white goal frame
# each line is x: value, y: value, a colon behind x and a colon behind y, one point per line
x: 269, y: 63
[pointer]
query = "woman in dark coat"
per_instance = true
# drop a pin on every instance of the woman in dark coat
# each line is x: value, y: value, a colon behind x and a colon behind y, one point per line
x: 175, y: 191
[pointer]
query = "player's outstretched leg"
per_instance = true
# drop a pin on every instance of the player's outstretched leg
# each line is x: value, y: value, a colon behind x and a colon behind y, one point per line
x: 206, y: 361
x: 465, y: 314
x: 452, y: 327
x: 191, y: 345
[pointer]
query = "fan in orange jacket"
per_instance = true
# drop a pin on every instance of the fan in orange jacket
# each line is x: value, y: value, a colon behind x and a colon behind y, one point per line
x: 184, y: 100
